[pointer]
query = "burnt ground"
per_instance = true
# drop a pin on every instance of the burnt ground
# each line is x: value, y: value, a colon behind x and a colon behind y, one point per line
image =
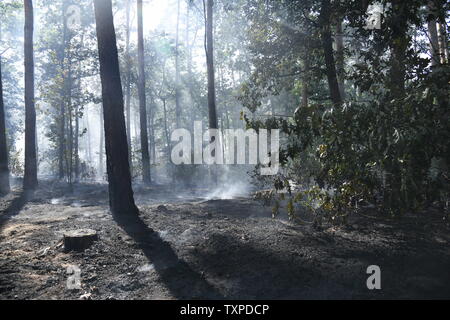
x: 183, y: 246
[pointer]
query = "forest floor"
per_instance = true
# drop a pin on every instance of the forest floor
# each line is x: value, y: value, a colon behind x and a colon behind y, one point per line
x: 183, y: 246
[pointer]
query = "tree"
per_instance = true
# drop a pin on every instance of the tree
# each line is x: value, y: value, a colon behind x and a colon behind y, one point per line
x: 11, y: 13
x: 62, y: 130
x: 142, y: 103
x: 397, y: 124
x: 398, y: 44
x: 327, y: 43
x: 64, y: 64
x: 340, y: 59
x: 177, y: 69
x: 30, y: 177
x: 121, y: 198
x: 4, y: 171
x: 443, y: 41
x: 433, y: 34
x: 101, y: 146
x: 128, y: 80
x: 209, y: 48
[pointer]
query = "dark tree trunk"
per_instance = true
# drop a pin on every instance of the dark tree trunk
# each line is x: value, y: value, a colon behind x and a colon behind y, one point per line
x: 152, y: 130
x: 4, y: 171
x: 166, y: 130
x: 399, y: 43
x: 210, y: 65
x: 62, y: 138
x: 128, y: 83
x: 69, y: 155
x: 77, y: 119
x: 120, y: 192
x: 209, y: 48
x: 305, y: 82
x: 102, y: 147
x: 340, y: 58
x: 327, y: 44
x: 142, y: 103
x: 30, y: 177
x: 189, y: 68
x: 136, y: 124
x: 177, y: 70
x: 88, y: 136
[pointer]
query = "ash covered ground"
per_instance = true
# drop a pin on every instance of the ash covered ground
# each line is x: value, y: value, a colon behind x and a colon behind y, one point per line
x: 187, y: 246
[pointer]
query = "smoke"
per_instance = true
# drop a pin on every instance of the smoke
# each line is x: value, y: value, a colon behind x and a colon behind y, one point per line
x: 234, y: 182
x: 229, y: 192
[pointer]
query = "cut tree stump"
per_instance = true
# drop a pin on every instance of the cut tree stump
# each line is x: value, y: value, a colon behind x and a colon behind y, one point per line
x: 78, y: 240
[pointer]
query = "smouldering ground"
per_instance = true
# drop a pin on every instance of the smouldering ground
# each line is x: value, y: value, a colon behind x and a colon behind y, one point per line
x: 186, y: 247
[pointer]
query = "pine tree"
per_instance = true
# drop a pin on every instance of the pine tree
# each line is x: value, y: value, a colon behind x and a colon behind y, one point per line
x: 121, y: 198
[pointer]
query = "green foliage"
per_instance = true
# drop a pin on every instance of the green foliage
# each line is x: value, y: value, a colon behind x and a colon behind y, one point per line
x: 387, y: 145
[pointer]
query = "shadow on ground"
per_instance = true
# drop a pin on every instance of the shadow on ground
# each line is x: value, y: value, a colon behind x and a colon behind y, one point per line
x: 177, y: 275
x: 20, y: 198
x: 255, y: 272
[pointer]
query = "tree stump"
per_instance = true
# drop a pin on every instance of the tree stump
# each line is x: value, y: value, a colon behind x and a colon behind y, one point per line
x: 78, y: 240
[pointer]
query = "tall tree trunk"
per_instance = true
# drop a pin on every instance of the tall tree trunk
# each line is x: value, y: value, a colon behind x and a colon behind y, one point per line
x: 177, y: 70
x: 30, y: 176
x: 77, y: 140
x: 340, y: 59
x: 62, y: 137
x: 63, y: 94
x: 142, y: 103
x: 432, y: 32
x: 396, y: 83
x: 4, y: 171
x: 77, y: 119
x: 152, y: 130
x: 128, y: 83
x: 209, y: 48
x: 70, y: 132
x: 88, y: 136
x: 188, y: 45
x: 305, y: 82
x: 136, y: 124
x: 327, y: 44
x: 102, y: 147
x: 399, y: 43
x: 166, y: 130
x: 121, y: 198
x: 69, y: 129
x: 443, y: 41
x: 149, y: 121
x: 189, y: 67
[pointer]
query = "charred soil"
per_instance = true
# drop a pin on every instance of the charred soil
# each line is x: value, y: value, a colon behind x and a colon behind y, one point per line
x: 183, y: 246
